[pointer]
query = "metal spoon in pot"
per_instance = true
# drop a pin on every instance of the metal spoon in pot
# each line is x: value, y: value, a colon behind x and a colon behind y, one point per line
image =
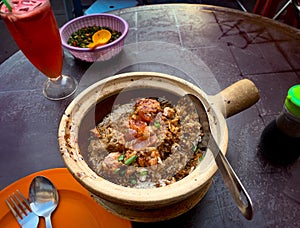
x: 43, y: 197
x: 233, y: 183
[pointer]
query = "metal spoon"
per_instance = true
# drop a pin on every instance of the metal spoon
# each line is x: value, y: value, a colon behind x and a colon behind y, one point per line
x: 43, y: 197
x: 233, y: 183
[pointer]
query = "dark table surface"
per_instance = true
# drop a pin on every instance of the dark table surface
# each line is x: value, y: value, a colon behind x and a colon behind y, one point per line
x: 210, y: 46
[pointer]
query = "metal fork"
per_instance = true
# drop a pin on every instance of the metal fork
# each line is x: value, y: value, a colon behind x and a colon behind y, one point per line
x: 20, y: 208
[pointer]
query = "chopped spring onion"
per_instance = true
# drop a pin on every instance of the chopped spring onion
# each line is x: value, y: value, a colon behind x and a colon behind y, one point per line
x: 195, y: 148
x: 122, y: 172
x: 131, y: 159
x: 121, y: 157
x: 143, y: 173
x: 157, y: 124
x: 117, y: 170
x: 201, y: 157
x: 133, y: 181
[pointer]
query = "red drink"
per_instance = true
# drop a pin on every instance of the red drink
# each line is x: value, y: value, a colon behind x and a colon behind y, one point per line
x: 33, y: 27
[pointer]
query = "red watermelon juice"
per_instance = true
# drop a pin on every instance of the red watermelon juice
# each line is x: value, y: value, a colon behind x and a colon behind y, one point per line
x: 33, y: 27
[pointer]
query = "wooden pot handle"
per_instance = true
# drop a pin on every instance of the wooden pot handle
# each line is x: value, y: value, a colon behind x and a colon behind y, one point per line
x: 237, y: 97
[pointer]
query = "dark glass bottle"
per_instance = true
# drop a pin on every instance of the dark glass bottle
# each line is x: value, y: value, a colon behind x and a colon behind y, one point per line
x: 280, y: 140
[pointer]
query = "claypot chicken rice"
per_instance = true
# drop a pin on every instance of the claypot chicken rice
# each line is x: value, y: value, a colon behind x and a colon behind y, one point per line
x: 147, y: 142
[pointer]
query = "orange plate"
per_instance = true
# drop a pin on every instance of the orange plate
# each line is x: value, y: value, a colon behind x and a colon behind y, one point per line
x: 76, y: 208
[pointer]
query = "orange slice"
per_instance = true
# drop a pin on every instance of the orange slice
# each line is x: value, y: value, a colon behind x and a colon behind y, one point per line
x: 100, y: 38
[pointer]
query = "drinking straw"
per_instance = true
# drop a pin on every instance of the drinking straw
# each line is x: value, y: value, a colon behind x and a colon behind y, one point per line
x: 7, y: 4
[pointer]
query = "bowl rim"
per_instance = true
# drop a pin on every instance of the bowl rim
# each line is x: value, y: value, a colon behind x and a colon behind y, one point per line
x: 115, y: 193
x: 100, y: 48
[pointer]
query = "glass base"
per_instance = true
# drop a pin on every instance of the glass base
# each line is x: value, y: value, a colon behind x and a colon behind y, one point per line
x: 60, y: 88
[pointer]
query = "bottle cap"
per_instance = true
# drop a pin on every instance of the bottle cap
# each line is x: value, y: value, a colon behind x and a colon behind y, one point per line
x: 292, y: 101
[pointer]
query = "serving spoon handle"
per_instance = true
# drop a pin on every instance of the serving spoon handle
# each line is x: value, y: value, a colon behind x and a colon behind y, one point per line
x: 230, y: 178
x: 233, y: 183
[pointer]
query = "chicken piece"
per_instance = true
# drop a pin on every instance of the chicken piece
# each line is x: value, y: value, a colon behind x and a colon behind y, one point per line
x: 139, y: 127
x: 111, y: 162
x: 169, y: 112
x: 147, y: 108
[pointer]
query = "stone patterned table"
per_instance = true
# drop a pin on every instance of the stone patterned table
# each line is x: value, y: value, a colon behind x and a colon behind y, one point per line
x: 224, y: 46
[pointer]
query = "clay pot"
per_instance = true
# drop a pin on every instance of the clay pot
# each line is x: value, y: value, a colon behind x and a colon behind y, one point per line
x: 153, y: 204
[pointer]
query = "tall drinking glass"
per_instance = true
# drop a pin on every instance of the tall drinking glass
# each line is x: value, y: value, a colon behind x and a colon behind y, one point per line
x: 33, y: 26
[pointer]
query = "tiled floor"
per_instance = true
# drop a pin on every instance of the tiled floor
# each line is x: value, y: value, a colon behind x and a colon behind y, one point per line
x: 8, y: 46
